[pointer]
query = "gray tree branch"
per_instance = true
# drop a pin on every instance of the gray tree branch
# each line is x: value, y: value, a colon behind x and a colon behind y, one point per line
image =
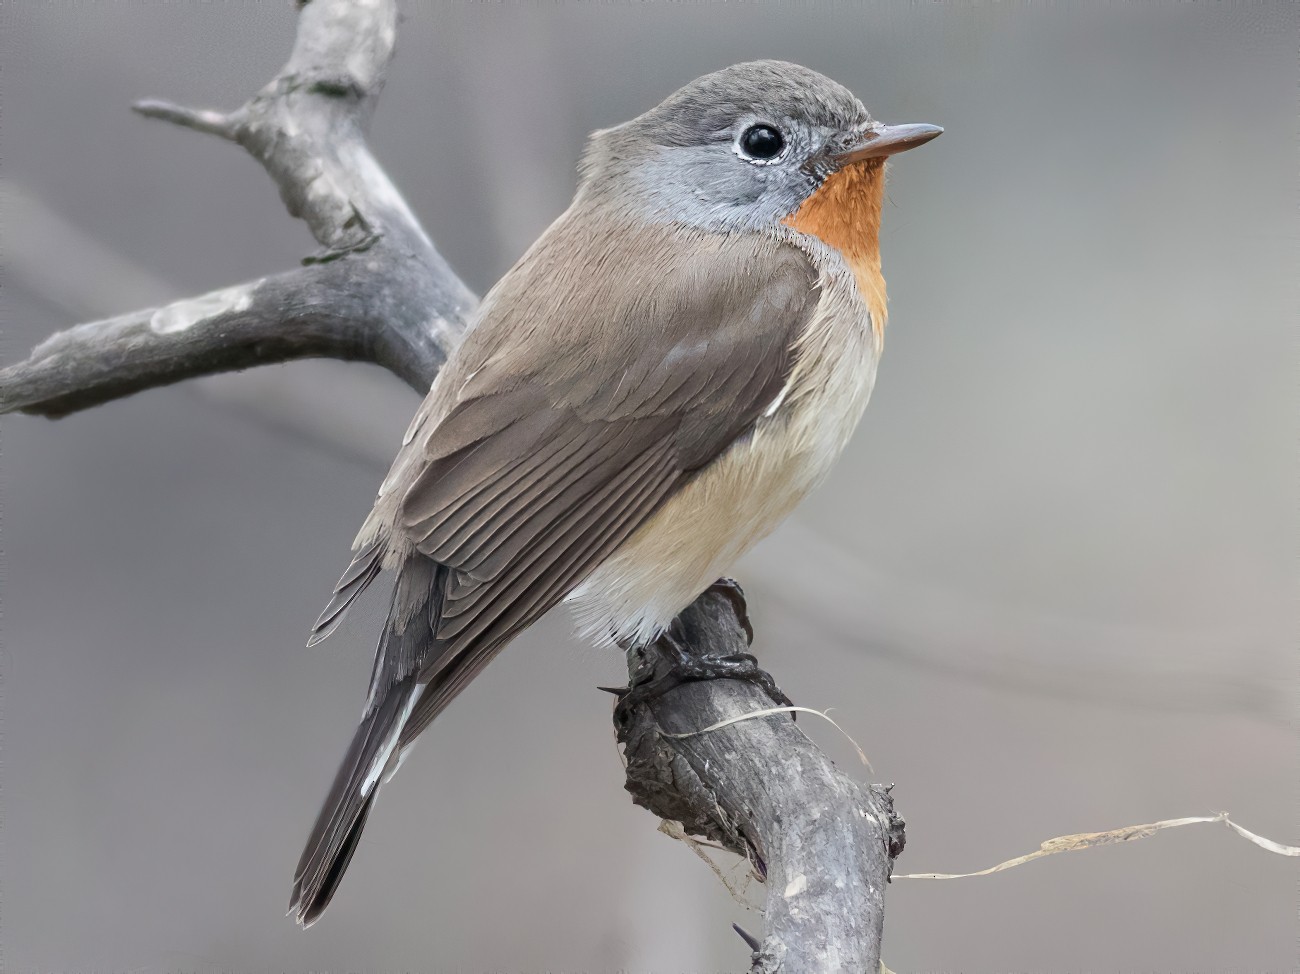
x: 338, y: 310
x: 379, y: 291
x: 824, y: 843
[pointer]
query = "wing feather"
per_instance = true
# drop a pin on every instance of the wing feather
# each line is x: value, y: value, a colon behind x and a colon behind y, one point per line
x: 475, y: 520
x: 509, y: 605
x: 609, y: 506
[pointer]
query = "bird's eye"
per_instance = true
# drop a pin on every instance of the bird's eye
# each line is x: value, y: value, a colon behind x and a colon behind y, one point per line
x: 761, y: 142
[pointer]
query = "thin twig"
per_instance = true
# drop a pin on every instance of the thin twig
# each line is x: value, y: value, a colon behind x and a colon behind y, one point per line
x: 201, y: 120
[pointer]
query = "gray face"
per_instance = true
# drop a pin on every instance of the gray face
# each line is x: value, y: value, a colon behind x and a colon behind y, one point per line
x: 736, y: 149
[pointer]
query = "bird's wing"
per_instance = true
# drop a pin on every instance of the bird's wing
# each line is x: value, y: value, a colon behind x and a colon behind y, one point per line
x: 568, y: 420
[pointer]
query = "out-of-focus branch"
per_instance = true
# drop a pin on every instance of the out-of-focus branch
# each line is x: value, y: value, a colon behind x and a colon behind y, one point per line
x: 380, y: 292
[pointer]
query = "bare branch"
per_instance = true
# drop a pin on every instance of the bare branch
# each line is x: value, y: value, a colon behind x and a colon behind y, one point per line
x: 199, y: 119
x: 307, y: 127
x: 320, y: 311
x: 763, y: 789
x: 379, y: 291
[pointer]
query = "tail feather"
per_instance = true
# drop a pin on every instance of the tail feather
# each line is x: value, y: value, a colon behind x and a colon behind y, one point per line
x: 363, y: 569
x: 343, y: 816
x: 404, y: 650
x: 308, y: 910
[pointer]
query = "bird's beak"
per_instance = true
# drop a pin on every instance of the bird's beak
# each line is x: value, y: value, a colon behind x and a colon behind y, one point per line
x: 886, y: 140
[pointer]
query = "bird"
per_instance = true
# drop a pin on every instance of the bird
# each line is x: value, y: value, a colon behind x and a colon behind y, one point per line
x: 664, y: 374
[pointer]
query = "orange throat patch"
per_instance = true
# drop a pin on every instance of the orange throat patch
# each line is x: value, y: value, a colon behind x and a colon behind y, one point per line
x: 844, y: 214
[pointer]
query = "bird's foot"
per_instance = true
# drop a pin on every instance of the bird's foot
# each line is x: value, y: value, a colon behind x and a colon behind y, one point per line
x: 685, y: 667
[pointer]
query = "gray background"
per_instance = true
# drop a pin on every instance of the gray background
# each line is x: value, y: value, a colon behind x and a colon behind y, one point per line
x: 1050, y: 588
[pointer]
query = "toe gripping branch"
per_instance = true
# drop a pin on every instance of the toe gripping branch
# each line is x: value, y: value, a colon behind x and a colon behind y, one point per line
x: 682, y: 653
x: 695, y: 674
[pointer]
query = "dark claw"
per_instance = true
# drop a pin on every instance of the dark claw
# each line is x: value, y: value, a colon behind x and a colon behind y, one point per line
x: 685, y: 668
x: 730, y: 589
x: 749, y: 938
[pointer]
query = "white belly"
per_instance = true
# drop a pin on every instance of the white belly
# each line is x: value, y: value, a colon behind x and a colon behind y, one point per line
x: 702, y: 530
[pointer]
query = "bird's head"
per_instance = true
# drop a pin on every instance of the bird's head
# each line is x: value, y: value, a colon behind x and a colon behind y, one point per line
x: 750, y: 147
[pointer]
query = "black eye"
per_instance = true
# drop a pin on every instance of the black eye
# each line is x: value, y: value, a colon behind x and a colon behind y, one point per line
x: 761, y: 142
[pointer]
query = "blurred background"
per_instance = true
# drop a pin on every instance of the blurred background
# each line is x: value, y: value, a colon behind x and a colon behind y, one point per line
x: 1050, y: 588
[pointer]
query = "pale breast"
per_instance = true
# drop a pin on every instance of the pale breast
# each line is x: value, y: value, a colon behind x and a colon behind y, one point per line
x: 702, y: 530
